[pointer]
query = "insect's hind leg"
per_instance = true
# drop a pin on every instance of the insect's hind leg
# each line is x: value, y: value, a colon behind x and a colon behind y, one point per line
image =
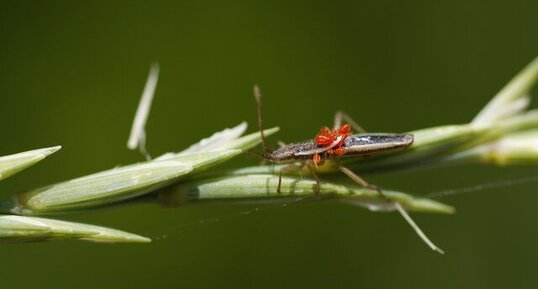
x: 363, y: 183
x: 340, y: 115
x: 397, y: 206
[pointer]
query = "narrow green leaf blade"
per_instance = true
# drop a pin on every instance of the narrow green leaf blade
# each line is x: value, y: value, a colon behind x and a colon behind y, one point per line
x: 243, y: 143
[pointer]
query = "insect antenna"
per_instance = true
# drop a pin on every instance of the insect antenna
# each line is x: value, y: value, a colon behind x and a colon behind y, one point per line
x: 256, y: 154
x: 258, y: 96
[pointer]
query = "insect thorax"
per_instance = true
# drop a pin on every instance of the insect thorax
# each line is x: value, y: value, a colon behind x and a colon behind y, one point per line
x: 292, y: 152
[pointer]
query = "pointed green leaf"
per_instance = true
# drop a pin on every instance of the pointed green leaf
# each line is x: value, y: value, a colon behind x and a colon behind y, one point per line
x: 249, y: 141
x: 512, y: 99
x: 12, y: 164
x: 25, y: 229
x: 216, y: 140
x: 202, y: 160
x: 243, y: 143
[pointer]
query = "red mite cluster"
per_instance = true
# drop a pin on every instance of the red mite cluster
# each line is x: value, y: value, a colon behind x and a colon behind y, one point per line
x: 326, y: 137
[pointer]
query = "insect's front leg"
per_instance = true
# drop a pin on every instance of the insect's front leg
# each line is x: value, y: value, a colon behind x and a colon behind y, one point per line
x: 310, y: 165
x: 286, y: 169
x: 340, y: 115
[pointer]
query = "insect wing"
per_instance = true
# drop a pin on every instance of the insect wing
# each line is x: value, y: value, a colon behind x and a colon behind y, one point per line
x: 371, y: 143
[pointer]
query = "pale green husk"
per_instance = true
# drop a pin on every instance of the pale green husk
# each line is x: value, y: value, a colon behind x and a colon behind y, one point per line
x: 519, y: 148
x: 12, y: 164
x: 263, y: 186
x: 27, y: 229
x: 104, y: 187
x: 127, y: 182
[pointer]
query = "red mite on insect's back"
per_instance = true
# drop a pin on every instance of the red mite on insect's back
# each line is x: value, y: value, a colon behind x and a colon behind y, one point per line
x: 326, y: 138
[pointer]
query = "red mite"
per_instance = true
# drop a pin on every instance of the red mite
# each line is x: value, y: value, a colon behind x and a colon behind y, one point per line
x: 326, y: 137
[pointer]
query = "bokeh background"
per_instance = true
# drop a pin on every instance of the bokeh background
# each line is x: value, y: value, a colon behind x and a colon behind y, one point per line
x: 71, y: 73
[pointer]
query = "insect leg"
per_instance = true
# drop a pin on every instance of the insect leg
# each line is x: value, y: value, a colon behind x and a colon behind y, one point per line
x: 285, y: 169
x: 338, y: 122
x: 363, y: 183
x: 397, y: 206
x: 417, y: 229
x: 315, y: 175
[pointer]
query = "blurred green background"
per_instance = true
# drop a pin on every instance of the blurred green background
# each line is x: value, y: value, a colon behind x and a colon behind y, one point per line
x: 71, y: 73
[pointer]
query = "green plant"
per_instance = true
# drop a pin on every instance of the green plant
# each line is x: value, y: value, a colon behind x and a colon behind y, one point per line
x: 24, y: 229
x: 503, y: 133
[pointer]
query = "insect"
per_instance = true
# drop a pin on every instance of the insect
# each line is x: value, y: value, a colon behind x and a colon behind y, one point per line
x: 333, y: 144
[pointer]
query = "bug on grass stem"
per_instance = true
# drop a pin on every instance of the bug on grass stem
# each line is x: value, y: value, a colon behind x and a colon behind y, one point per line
x: 333, y: 144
